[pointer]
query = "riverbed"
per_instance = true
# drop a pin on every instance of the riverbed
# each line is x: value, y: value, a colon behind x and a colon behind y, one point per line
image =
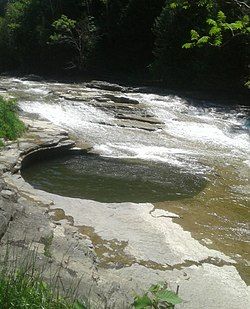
x: 197, y: 138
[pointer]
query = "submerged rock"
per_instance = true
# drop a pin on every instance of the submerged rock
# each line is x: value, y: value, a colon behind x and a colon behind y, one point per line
x: 105, y: 86
x: 139, y: 118
x: 121, y: 99
x: 32, y: 77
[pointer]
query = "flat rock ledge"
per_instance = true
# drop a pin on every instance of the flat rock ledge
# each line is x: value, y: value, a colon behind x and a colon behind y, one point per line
x: 63, y: 243
x: 26, y: 227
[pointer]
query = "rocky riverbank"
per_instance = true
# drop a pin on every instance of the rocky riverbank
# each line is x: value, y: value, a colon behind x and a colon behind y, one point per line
x: 110, y: 250
x: 29, y: 221
x: 26, y: 225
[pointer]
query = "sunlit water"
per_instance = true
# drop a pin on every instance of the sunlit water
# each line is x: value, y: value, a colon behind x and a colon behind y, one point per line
x: 190, y: 134
x: 199, y: 138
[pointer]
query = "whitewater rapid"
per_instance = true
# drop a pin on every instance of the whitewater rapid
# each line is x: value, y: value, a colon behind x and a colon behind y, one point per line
x: 197, y: 136
x: 193, y: 136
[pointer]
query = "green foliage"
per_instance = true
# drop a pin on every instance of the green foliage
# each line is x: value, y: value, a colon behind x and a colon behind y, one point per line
x: 23, y: 288
x: 63, y: 27
x: 18, y: 31
x: 129, y: 36
x: 158, y: 296
x: 184, y: 4
x: 20, y: 290
x: 247, y: 84
x: 202, y: 43
x: 80, y: 36
x: 194, y: 35
x: 10, y: 125
x: 217, y: 33
x: 64, y: 24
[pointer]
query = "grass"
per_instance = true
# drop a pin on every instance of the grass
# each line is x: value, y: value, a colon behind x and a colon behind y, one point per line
x: 20, y: 290
x: 23, y: 287
x: 11, y: 127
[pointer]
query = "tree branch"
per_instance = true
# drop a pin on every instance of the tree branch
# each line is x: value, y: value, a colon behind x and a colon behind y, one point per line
x: 241, y: 4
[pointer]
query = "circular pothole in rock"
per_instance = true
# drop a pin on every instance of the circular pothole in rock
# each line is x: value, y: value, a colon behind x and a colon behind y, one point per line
x: 111, y: 180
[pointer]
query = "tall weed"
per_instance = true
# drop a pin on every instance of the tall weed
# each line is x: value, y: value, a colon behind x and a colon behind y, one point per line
x: 11, y: 127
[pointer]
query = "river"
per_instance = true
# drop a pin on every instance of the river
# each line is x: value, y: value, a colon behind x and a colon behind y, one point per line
x: 197, y: 137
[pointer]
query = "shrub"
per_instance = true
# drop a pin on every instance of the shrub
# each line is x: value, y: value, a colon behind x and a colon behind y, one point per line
x: 11, y: 127
x: 157, y: 297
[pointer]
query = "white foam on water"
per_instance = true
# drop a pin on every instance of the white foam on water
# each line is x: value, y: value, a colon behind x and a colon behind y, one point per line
x: 190, y: 134
x: 74, y: 116
x: 204, y: 126
x: 41, y: 91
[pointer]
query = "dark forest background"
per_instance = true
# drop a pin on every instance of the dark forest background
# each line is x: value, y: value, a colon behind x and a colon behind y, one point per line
x: 182, y: 44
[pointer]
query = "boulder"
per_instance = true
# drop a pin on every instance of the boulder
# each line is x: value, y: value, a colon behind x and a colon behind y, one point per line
x: 139, y: 118
x: 105, y: 86
x: 121, y: 99
x: 32, y: 77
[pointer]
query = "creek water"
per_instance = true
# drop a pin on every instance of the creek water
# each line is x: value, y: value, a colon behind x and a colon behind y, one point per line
x: 112, y: 180
x: 195, y: 163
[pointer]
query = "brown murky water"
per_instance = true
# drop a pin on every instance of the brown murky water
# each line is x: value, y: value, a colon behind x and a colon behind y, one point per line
x: 219, y: 217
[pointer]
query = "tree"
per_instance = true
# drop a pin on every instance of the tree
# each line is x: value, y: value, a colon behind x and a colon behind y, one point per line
x: 220, y: 32
x: 220, y: 24
x: 78, y: 35
x: 24, y: 32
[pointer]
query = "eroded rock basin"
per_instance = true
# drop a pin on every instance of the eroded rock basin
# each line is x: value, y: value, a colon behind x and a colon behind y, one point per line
x: 198, y: 239
x: 111, y: 180
x: 106, y: 190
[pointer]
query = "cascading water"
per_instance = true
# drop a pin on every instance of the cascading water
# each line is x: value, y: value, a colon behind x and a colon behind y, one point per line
x: 189, y: 136
x: 199, y: 138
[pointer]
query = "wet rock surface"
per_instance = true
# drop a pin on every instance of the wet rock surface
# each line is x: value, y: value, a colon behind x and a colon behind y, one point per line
x: 106, y: 86
x: 84, y: 238
x: 114, y: 100
x: 130, y: 112
x: 26, y: 224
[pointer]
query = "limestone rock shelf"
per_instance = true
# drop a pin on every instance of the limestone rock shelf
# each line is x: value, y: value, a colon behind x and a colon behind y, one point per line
x: 114, y: 248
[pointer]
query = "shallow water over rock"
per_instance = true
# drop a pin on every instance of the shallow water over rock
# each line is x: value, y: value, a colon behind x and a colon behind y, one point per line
x: 195, y: 138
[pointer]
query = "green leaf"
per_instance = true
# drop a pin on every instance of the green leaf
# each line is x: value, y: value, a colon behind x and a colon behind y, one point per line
x: 214, y: 30
x: 142, y: 302
x: 247, y: 84
x: 64, y: 24
x: 173, y: 5
x: 194, y: 35
x: 169, y: 297
x: 14, y: 26
x: 237, y: 25
x: 187, y: 45
x: 245, y: 19
x: 227, y: 26
x: 221, y: 16
x: 218, y: 41
x: 203, y: 40
x: 156, y: 287
x: 211, y: 22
